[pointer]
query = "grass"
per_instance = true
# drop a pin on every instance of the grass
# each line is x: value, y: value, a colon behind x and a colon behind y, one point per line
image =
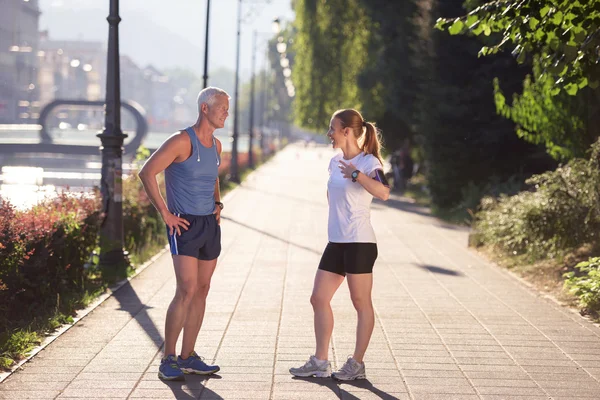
x: 18, y: 343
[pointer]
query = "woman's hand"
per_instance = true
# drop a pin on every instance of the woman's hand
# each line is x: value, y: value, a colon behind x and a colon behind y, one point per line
x: 175, y: 223
x: 347, y: 169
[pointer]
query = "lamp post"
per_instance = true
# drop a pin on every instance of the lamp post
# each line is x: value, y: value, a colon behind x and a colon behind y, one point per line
x: 251, y: 128
x: 233, y: 171
x: 111, y: 186
x: 205, y: 77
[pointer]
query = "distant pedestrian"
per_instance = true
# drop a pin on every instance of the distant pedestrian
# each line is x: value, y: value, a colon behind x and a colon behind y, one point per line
x: 190, y: 159
x: 355, y: 177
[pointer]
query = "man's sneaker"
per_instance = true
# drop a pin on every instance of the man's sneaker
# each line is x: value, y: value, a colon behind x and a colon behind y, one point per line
x: 313, y: 367
x: 195, y: 364
x: 169, y: 370
x: 350, y: 371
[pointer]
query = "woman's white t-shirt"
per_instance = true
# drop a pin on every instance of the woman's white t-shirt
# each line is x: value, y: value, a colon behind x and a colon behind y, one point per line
x: 349, y: 202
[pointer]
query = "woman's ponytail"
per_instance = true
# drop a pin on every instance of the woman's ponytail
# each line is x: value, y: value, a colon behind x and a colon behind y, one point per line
x: 372, y: 142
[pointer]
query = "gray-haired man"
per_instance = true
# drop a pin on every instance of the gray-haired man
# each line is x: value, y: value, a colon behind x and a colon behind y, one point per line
x: 190, y: 159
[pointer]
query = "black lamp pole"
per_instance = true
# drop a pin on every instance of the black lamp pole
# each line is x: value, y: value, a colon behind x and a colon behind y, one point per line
x: 263, y: 104
x: 251, y: 130
x: 205, y: 77
x: 234, y: 176
x: 111, y: 186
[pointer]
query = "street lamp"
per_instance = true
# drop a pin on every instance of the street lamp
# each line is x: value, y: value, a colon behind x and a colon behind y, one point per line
x: 252, y: 86
x: 251, y: 125
x: 205, y: 77
x: 233, y: 171
x: 111, y: 186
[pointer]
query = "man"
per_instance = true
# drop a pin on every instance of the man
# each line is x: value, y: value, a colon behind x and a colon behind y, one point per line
x: 192, y: 212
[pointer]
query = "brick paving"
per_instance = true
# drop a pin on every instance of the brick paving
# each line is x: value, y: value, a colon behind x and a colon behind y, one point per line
x: 449, y: 325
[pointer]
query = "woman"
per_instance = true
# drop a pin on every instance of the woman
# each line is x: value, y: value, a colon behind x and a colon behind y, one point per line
x: 355, y: 177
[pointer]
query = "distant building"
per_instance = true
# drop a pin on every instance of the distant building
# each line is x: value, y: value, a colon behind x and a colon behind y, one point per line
x: 19, y: 21
x: 72, y: 70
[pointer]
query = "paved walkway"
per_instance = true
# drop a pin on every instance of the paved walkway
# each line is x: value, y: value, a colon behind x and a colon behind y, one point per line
x: 448, y: 324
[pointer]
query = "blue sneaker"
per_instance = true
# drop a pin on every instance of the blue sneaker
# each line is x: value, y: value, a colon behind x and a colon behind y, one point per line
x: 195, y: 364
x: 169, y: 370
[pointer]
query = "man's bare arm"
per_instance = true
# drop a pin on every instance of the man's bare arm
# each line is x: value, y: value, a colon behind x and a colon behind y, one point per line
x: 174, y: 148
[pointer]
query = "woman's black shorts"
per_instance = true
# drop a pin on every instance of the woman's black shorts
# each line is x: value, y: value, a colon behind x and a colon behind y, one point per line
x: 349, y: 258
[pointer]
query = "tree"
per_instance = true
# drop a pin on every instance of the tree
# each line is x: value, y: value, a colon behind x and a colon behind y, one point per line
x: 331, y: 44
x: 562, y: 39
x: 563, y: 34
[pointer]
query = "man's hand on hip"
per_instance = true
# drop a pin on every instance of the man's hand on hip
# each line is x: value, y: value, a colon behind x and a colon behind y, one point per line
x: 175, y: 223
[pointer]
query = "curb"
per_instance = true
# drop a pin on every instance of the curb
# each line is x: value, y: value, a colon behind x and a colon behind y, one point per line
x: 82, y: 314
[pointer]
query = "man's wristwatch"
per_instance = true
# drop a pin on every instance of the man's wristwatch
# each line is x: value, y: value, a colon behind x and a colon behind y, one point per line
x: 218, y: 203
x: 355, y: 175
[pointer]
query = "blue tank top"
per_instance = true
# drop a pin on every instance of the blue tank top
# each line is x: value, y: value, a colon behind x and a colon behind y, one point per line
x: 191, y: 184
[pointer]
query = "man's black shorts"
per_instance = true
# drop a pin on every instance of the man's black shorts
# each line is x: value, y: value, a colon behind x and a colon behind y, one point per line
x: 349, y: 258
x: 201, y: 240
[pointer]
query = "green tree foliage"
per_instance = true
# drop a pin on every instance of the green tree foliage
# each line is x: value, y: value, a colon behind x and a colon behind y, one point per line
x: 416, y: 82
x: 332, y: 39
x: 559, y: 104
x: 395, y: 69
x: 466, y: 143
x: 558, y: 121
x: 565, y: 34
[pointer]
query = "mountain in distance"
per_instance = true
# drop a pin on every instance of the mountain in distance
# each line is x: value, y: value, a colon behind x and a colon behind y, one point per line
x: 144, y: 41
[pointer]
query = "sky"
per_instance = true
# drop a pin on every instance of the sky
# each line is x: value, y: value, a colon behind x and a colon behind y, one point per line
x: 170, y: 33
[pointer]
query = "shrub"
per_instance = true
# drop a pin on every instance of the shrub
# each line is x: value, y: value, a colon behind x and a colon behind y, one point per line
x: 560, y: 212
x: 144, y: 229
x: 584, y: 283
x: 43, y: 251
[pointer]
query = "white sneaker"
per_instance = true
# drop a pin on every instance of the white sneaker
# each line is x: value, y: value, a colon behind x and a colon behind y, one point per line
x: 350, y: 371
x: 313, y: 367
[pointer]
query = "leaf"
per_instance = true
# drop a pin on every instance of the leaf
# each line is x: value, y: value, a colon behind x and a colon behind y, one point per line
x: 571, y: 89
x: 555, y: 90
x: 582, y: 83
x: 594, y: 84
x: 471, y: 19
x: 544, y: 11
x: 487, y: 30
x: 439, y: 24
x: 533, y: 22
x: 456, y: 27
x: 558, y: 17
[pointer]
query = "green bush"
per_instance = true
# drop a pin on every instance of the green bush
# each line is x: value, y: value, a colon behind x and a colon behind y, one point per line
x: 42, y: 255
x: 584, y: 283
x: 561, y: 212
x: 144, y: 229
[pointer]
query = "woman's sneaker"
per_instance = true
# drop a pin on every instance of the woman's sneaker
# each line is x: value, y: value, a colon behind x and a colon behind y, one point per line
x: 313, y: 367
x: 195, y: 364
x: 169, y: 370
x: 350, y: 371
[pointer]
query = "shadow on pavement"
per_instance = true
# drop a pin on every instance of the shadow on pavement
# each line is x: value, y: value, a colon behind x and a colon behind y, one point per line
x: 270, y: 235
x: 325, y: 382
x: 364, y: 384
x: 130, y: 302
x: 404, y: 204
x: 193, y: 388
x: 400, y: 203
x: 440, y: 270
x: 338, y: 388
